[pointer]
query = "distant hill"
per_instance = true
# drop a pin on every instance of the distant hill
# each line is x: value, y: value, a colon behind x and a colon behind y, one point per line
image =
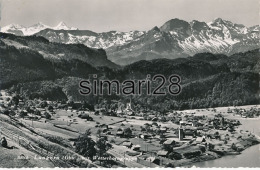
x: 56, y: 51
x: 35, y: 58
x: 208, y: 80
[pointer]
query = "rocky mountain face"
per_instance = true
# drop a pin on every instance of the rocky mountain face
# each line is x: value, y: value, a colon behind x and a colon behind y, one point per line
x: 176, y: 38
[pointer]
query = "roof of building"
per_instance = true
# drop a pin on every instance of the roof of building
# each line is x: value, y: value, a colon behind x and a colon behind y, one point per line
x: 120, y: 132
x: 162, y: 152
x: 127, y: 143
x: 136, y: 146
x: 151, y: 159
x: 199, y: 139
x: 169, y: 142
x: 183, y: 121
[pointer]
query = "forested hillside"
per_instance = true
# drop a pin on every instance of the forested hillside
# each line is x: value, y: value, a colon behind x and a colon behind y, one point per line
x: 208, y: 80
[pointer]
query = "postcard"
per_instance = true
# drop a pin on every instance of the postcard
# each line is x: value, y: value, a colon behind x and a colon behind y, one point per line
x: 129, y: 83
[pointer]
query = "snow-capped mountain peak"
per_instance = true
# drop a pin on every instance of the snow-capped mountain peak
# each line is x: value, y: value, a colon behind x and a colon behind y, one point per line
x: 61, y: 26
x: 34, y: 28
x: 21, y: 30
x: 12, y: 26
x: 14, y: 29
x: 218, y: 20
x: 40, y: 25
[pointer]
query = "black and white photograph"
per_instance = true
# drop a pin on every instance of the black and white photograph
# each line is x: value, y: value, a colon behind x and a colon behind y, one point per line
x: 129, y: 84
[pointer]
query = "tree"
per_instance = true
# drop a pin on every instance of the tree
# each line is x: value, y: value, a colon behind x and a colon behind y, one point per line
x: 112, y: 141
x: 102, y: 147
x: 6, y: 112
x: 47, y: 115
x: 162, y: 140
x: 29, y: 110
x: 128, y: 132
x: 143, y: 129
x: 85, y: 145
x: 37, y: 112
x: 211, y: 146
x: 43, y: 104
x: 50, y: 108
x: 99, y: 132
x: 163, y: 119
x: 23, y: 114
x: 15, y: 100
x: 234, y: 147
x: 175, y: 155
x: 216, y: 135
x: 170, y: 165
x: 167, y: 148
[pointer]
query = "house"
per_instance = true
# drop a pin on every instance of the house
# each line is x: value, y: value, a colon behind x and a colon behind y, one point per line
x: 103, y: 130
x: 108, y: 132
x: 200, y: 139
x: 183, y: 123
x: 169, y: 142
x: 153, y: 160
x: 49, y: 102
x: 120, y: 132
x: 163, y: 153
x: 129, y: 111
x: 190, y: 123
x: 136, y: 147
x: 190, y: 131
x: 104, y: 126
x: 77, y: 104
x: 144, y: 136
x: 163, y: 129
x: 155, y: 124
x: 239, y: 147
x: 195, y: 123
x: 128, y: 144
x: 222, y: 137
x: 100, y: 111
x: 230, y: 129
x: 155, y: 119
x: 119, y: 112
x: 25, y: 111
x: 152, y: 117
x: 85, y: 116
x: 21, y: 103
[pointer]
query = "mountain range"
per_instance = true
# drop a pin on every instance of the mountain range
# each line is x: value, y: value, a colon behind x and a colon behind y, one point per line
x: 22, y: 30
x: 176, y: 38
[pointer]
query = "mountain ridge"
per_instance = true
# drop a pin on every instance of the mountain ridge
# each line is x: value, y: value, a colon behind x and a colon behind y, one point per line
x: 35, y: 28
x: 175, y: 38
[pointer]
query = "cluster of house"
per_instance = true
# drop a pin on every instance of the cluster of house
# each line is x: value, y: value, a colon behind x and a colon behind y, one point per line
x: 195, y: 130
x: 245, y: 113
x: 28, y: 108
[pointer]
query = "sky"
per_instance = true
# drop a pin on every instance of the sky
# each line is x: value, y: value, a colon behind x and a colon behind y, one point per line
x: 125, y: 15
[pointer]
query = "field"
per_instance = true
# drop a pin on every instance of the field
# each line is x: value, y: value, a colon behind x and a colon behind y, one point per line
x: 9, y: 158
x: 222, y: 110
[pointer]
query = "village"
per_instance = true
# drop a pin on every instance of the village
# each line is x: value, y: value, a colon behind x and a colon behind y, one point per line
x: 138, y: 138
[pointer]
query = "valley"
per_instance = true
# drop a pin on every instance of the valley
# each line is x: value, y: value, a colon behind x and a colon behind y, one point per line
x: 214, y: 132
